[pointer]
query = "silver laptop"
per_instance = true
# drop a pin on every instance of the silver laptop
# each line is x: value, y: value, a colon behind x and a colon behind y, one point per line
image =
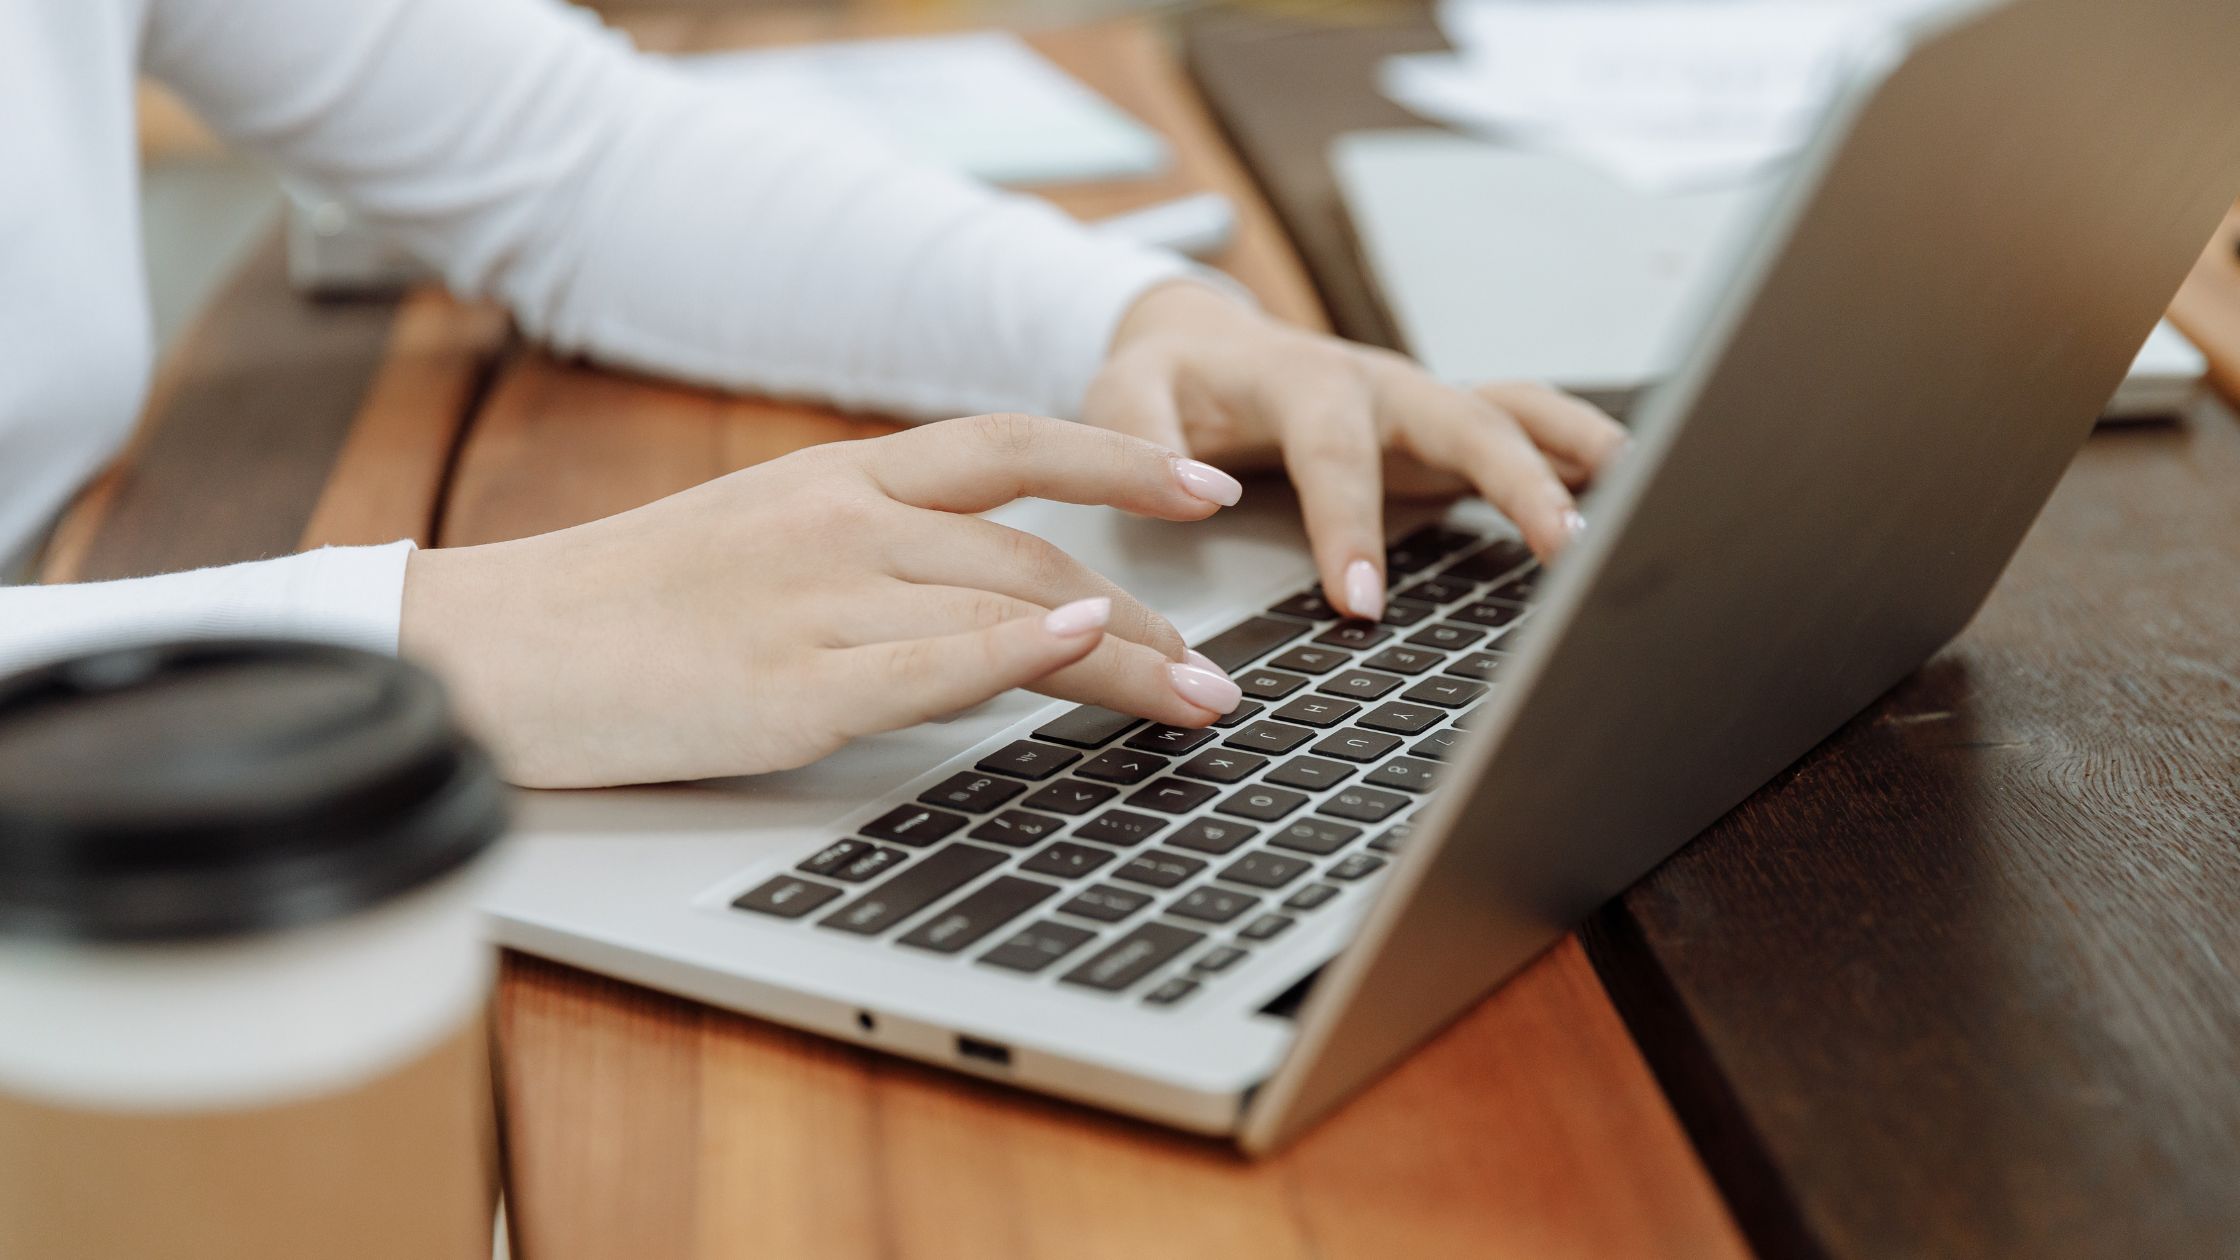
x: 1233, y: 930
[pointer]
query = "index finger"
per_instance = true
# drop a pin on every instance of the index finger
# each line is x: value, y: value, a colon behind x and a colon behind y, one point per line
x: 982, y: 462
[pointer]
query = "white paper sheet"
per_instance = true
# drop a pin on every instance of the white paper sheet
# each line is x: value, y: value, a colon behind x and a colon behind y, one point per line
x: 983, y: 103
x: 1666, y: 94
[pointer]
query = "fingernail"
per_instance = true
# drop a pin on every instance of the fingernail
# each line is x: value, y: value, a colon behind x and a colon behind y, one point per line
x: 1202, y: 661
x: 1206, y: 482
x: 1079, y: 617
x: 1364, y: 591
x: 1573, y: 525
x: 1206, y: 688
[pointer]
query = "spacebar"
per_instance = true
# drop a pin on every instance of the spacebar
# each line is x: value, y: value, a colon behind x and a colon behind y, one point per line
x: 1241, y: 645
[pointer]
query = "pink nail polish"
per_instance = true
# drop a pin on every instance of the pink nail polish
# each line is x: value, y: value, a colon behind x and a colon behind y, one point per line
x: 1202, y: 661
x: 1364, y: 590
x: 1573, y: 525
x: 1206, y: 482
x: 1079, y: 617
x: 1205, y: 688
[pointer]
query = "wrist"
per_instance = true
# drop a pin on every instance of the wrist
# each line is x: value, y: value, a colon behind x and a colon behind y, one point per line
x: 1181, y: 307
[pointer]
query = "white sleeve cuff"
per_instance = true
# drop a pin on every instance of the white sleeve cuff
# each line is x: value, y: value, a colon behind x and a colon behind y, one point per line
x: 353, y: 596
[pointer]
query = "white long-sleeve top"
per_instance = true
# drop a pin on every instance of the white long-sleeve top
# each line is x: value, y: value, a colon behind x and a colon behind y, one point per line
x: 620, y: 208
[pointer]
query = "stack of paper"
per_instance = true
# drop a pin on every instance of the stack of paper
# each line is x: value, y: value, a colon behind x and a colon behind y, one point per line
x: 983, y: 103
x: 1666, y: 94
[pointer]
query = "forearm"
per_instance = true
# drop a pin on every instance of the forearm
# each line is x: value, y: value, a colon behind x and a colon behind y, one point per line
x: 347, y: 595
x: 629, y: 212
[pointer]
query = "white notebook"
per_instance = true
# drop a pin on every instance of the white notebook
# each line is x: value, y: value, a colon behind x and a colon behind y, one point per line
x: 1498, y: 263
x: 983, y: 103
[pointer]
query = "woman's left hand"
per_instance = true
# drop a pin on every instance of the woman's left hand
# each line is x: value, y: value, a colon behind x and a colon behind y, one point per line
x: 1193, y: 369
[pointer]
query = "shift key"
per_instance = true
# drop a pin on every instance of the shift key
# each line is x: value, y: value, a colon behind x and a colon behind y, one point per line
x: 918, y: 885
x: 1241, y: 645
x: 1133, y: 957
x: 997, y: 902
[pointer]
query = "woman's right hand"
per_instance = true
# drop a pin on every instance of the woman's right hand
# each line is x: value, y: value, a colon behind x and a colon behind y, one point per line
x: 762, y: 620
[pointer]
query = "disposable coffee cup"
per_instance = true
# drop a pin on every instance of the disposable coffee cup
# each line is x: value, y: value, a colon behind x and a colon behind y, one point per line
x: 242, y: 986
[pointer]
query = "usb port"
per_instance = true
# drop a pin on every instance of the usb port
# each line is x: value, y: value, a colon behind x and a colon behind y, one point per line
x: 994, y: 1052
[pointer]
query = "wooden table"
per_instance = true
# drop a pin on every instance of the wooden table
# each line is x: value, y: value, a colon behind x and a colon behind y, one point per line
x: 1961, y: 982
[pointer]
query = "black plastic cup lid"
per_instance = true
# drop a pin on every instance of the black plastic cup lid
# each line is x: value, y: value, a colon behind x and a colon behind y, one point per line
x: 222, y: 788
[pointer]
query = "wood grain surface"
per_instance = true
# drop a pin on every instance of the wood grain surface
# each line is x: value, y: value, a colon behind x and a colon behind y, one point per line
x: 1966, y: 980
x: 645, y: 1126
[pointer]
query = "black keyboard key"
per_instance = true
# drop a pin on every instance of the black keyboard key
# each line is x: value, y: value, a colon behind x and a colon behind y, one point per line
x: 1067, y: 860
x: 1404, y: 660
x: 1446, y: 636
x: 833, y: 856
x: 1521, y: 588
x: 1170, y: 992
x: 1132, y: 957
x: 1270, y: 737
x: 1170, y: 739
x: 1159, y: 869
x: 1219, y: 958
x: 1310, y: 774
x: 873, y: 862
x: 1265, y: 928
x: 1087, y: 727
x: 1406, y: 774
x: 1355, y: 866
x: 1406, y: 612
x: 1121, y: 827
x: 1212, y: 905
x: 1360, y: 684
x: 1212, y: 835
x: 1307, y: 605
x: 1493, y: 613
x: 1245, y: 711
x: 1223, y: 765
x: 1171, y: 796
x: 1447, y: 693
x: 1468, y: 719
x: 1018, y: 828
x: 914, y: 825
x: 1498, y: 560
x: 985, y: 909
x: 1310, y: 897
x: 1438, y: 745
x: 1071, y: 796
x: 1318, y: 710
x: 1262, y: 804
x: 1425, y: 546
x: 1404, y: 719
x: 1353, y: 634
x: 915, y: 887
x: 1355, y: 744
x: 1478, y: 666
x: 787, y: 897
x: 1037, y: 947
x: 1318, y: 836
x: 1393, y: 837
x: 1122, y: 765
x: 1309, y: 660
x: 1269, y: 684
x: 1364, y: 804
x: 972, y: 793
x: 1241, y: 645
x: 1106, y: 904
x: 1265, y: 870
x: 1439, y: 590
x: 1028, y: 760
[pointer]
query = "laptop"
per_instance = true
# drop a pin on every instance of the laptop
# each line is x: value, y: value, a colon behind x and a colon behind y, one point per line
x: 1233, y: 931
x: 1499, y: 263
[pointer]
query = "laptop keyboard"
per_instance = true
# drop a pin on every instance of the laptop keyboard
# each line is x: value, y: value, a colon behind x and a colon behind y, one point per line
x: 1145, y: 860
